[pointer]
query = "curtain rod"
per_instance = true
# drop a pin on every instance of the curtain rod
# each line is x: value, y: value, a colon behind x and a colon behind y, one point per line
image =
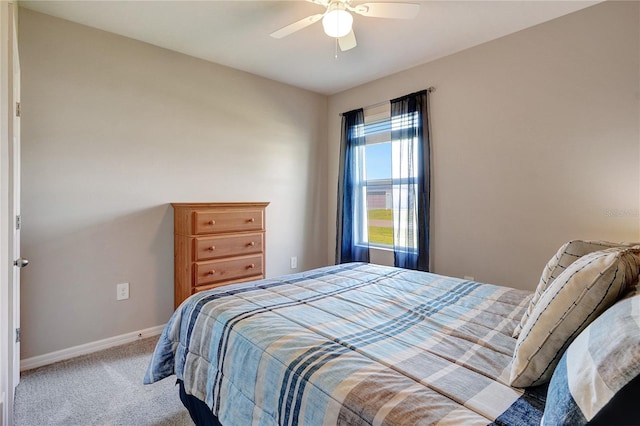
x: 429, y: 89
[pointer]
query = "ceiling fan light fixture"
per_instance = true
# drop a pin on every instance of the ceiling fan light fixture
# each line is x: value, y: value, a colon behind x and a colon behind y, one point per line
x: 337, y: 23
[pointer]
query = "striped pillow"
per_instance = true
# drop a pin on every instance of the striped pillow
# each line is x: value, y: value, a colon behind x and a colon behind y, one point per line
x: 598, y: 377
x: 566, y: 255
x: 573, y: 300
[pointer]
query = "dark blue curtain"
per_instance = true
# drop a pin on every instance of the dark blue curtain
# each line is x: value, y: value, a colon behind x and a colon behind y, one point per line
x: 351, y: 220
x: 411, y: 158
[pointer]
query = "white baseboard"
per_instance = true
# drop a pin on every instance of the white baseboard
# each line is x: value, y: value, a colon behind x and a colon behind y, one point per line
x: 87, y: 348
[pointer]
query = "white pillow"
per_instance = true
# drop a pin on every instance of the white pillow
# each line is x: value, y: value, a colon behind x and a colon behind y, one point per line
x: 566, y: 255
x: 573, y: 300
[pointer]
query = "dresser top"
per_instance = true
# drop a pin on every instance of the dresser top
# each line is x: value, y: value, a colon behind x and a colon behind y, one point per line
x: 224, y: 204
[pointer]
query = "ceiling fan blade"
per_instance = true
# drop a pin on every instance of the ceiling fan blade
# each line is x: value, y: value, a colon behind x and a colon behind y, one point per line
x: 324, y: 3
x: 347, y: 42
x: 388, y: 10
x: 297, y: 26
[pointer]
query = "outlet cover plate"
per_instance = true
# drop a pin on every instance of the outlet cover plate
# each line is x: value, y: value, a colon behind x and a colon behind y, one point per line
x: 122, y: 291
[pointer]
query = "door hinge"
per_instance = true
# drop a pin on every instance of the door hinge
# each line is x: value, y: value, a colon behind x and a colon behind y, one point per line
x: 17, y: 109
x: 18, y: 222
x: 17, y: 335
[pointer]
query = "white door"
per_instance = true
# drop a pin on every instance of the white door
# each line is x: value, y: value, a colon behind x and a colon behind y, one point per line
x: 10, y: 206
x: 15, y: 198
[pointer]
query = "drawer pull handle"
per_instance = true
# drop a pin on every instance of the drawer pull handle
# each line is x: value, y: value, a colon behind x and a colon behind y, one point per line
x: 251, y: 266
x: 251, y: 220
x: 211, y: 272
x: 251, y: 244
x: 212, y: 222
x: 212, y: 248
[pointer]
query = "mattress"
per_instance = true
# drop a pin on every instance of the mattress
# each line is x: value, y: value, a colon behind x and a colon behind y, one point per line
x: 350, y: 344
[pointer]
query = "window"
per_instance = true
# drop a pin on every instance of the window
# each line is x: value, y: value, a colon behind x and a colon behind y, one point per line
x: 384, y: 181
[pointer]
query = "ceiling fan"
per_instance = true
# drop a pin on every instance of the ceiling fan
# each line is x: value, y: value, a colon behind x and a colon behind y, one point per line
x: 337, y: 19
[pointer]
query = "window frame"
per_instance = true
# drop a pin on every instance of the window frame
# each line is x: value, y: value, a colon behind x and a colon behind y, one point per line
x: 376, y: 130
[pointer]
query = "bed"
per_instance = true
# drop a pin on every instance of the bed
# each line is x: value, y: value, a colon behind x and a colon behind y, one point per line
x: 351, y: 344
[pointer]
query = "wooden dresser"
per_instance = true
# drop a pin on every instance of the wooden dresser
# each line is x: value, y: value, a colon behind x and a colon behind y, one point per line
x: 217, y: 244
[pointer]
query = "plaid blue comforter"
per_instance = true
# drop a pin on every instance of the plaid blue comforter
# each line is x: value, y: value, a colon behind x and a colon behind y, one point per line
x: 351, y: 344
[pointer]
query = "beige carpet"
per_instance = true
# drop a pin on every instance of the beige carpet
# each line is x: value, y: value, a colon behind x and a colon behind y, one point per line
x: 104, y: 388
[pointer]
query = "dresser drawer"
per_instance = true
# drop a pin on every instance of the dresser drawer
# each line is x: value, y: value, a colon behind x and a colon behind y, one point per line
x: 227, y: 221
x: 227, y: 269
x: 206, y: 248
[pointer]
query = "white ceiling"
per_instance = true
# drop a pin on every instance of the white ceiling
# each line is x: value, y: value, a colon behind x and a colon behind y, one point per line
x: 236, y: 33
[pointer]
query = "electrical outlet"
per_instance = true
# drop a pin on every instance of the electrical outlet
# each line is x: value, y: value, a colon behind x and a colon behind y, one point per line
x: 469, y: 277
x: 294, y: 262
x: 122, y: 291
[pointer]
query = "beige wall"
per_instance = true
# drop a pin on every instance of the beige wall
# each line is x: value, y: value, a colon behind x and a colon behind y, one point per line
x: 113, y: 131
x: 535, y: 142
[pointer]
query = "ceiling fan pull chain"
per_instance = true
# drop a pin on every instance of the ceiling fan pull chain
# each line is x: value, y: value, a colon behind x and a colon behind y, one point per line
x: 335, y: 56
